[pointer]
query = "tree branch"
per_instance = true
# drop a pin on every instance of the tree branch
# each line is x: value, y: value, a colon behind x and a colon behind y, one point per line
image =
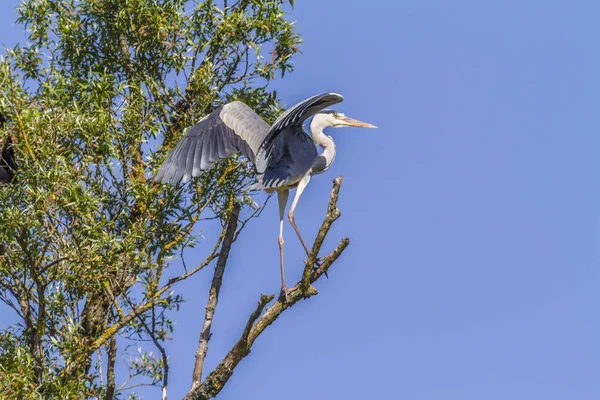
x: 213, y: 383
x: 333, y: 213
x: 213, y: 297
x: 256, y: 324
x: 110, y: 371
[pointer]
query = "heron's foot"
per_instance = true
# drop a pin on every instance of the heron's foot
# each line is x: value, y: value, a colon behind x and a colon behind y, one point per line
x: 284, y: 294
x: 324, y: 272
x: 320, y: 261
x: 317, y: 265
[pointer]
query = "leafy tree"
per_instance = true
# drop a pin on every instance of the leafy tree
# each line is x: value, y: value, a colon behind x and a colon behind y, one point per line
x: 94, y: 102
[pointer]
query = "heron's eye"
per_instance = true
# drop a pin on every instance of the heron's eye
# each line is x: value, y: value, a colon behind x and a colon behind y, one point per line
x: 336, y: 115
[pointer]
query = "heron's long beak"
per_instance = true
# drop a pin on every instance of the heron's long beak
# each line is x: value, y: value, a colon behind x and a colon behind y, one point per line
x: 354, y: 122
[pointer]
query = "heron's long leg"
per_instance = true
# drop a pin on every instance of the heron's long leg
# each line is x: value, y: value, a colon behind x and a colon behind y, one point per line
x: 301, y: 185
x: 282, y: 197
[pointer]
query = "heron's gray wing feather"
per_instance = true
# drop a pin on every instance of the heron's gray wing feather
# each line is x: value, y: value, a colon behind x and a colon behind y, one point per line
x: 289, y: 122
x: 190, y: 160
x: 229, y: 129
x: 172, y: 168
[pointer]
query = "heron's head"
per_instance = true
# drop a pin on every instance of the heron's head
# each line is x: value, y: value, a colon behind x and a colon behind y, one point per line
x: 334, y: 119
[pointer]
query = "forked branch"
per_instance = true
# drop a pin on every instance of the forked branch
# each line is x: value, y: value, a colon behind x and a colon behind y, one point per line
x: 213, y: 296
x: 259, y: 321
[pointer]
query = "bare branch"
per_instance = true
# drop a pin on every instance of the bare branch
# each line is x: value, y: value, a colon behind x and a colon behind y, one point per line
x: 256, y: 324
x: 333, y: 213
x: 213, y: 383
x: 213, y: 297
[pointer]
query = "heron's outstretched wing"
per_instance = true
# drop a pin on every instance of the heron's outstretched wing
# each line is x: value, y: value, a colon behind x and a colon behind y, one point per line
x: 229, y: 129
x: 7, y: 159
x: 290, y: 122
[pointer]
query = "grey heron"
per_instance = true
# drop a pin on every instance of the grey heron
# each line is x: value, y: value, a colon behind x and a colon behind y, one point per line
x: 284, y: 156
x: 7, y: 158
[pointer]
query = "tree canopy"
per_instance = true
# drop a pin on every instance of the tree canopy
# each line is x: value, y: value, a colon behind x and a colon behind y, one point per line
x: 94, y: 102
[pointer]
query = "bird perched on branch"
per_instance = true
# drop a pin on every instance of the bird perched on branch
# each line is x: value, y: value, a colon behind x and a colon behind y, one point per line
x: 284, y: 156
x: 7, y: 158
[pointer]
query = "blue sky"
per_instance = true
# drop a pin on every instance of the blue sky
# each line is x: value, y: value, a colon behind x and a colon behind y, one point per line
x: 473, y: 211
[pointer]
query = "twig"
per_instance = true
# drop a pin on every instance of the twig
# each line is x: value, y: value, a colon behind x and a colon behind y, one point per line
x: 115, y: 327
x: 213, y: 297
x: 163, y: 354
x: 160, y: 348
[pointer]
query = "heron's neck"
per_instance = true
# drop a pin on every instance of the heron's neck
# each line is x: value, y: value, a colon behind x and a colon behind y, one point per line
x: 326, y: 143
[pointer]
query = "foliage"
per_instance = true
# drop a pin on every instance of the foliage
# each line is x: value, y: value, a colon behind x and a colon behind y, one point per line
x: 101, y: 93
